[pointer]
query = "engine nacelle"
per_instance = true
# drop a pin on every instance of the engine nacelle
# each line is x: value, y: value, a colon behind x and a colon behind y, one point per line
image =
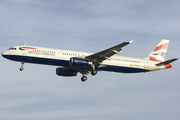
x: 65, y: 72
x: 79, y: 61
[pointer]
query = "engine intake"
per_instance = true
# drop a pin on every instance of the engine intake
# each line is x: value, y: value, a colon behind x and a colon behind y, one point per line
x: 79, y: 62
x: 65, y: 72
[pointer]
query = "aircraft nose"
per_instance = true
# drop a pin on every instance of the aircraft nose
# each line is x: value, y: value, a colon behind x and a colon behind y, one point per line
x: 4, y: 54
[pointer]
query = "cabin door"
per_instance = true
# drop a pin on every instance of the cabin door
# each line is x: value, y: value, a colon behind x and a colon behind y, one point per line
x: 145, y: 63
x: 59, y: 54
x: 24, y: 50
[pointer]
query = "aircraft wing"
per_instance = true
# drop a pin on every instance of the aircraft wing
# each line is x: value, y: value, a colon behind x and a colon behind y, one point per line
x: 99, y: 57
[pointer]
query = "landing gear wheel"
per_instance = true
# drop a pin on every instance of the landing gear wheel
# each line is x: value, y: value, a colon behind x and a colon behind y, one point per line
x: 22, y: 64
x: 83, y: 78
x: 94, y: 72
x: 21, y: 69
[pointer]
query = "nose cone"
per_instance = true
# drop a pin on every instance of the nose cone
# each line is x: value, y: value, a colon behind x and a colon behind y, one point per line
x: 4, y: 54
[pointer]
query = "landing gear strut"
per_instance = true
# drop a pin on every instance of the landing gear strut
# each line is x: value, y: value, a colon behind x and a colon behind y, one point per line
x: 22, y: 64
x: 83, y: 78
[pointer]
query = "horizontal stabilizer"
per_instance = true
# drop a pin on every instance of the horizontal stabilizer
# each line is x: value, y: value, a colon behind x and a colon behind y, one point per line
x: 167, y: 62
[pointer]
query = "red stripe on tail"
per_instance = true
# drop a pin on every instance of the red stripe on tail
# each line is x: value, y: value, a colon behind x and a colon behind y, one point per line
x: 154, y: 59
x: 163, y: 46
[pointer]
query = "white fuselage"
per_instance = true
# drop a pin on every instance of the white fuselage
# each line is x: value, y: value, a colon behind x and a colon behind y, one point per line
x: 61, y: 57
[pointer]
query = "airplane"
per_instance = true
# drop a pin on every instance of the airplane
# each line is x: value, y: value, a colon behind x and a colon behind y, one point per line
x: 72, y: 62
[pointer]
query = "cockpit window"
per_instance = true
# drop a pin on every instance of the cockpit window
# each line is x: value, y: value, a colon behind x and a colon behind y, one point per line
x: 12, y: 49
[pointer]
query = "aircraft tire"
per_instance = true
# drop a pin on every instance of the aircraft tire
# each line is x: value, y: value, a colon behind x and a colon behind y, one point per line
x: 83, y: 78
x: 21, y: 69
x: 94, y: 72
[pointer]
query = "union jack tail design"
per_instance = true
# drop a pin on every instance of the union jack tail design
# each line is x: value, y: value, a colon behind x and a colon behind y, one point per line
x: 159, y: 52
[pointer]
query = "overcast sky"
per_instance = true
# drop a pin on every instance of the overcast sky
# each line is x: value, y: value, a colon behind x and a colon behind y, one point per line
x: 90, y: 26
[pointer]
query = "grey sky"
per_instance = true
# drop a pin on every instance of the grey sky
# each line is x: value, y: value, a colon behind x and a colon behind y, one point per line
x: 91, y: 26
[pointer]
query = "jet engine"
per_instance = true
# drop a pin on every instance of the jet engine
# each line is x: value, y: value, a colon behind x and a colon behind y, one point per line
x: 65, y: 72
x: 79, y: 62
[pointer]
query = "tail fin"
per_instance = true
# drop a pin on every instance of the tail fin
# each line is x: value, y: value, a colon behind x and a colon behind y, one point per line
x: 159, y: 53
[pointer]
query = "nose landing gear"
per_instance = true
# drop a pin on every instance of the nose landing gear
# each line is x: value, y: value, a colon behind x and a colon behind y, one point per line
x: 22, y: 64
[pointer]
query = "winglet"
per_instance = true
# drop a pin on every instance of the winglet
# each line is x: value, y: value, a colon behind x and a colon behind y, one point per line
x: 131, y: 42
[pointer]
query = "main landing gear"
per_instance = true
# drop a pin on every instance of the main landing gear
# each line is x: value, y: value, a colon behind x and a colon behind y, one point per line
x: 84, y: 78
x: 22, y: 64
x: 94, y: 72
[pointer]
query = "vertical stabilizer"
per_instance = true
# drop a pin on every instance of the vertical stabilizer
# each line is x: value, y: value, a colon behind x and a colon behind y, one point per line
x: 159, y: 52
